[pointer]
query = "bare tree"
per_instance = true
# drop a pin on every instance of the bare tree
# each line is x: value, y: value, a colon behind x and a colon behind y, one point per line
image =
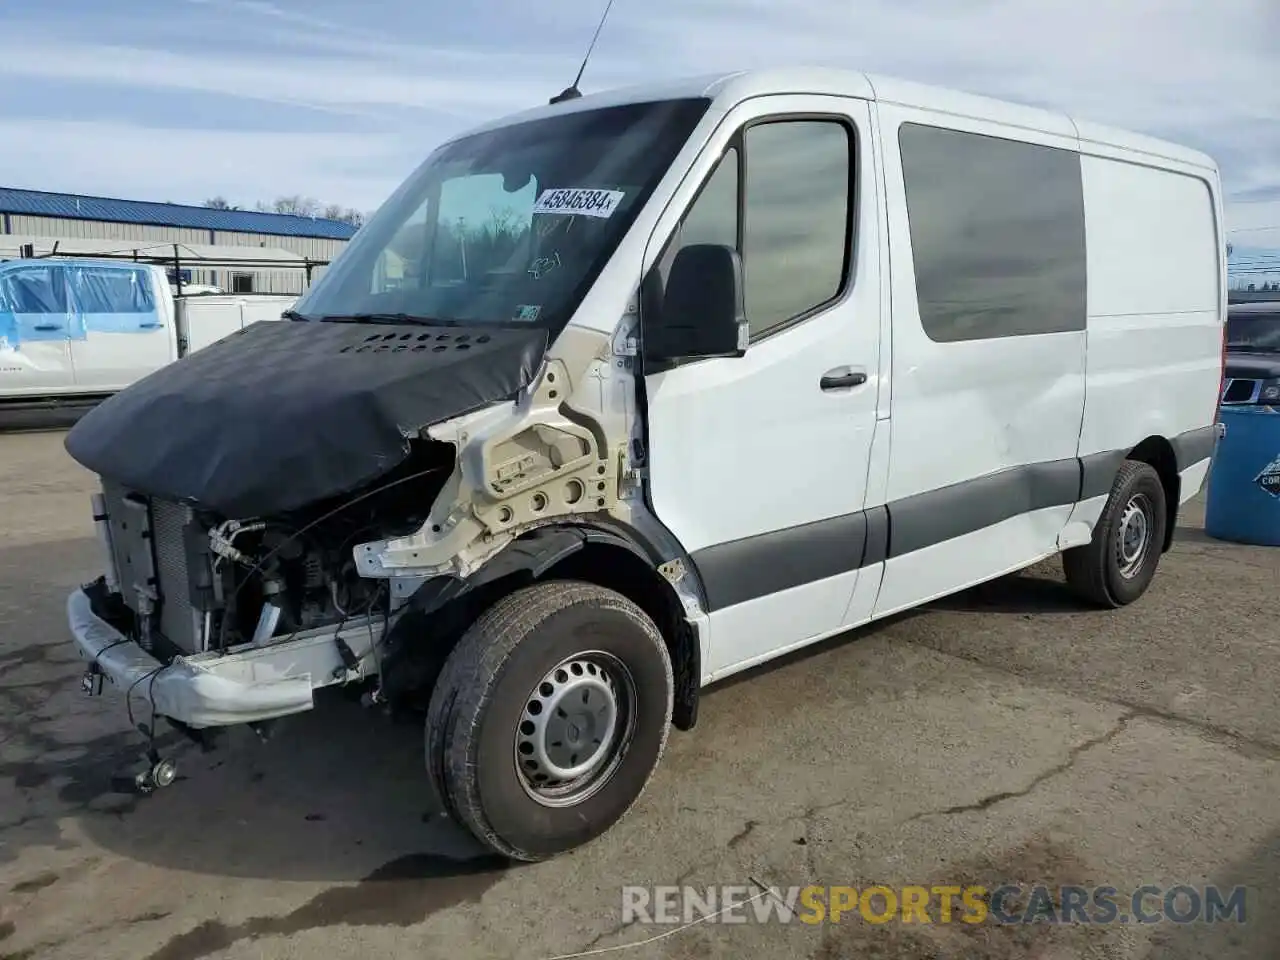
x: 296, y: 205
x: 299, y: 206
x: 335, y: 211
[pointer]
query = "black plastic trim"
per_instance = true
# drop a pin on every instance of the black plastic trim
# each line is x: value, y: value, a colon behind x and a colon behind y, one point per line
x: 877, y: 545
x: 1098, y: 472
x: 757, y: 566
x: 1194, y: 446
x: 742, y: 570
x: 935, y: 516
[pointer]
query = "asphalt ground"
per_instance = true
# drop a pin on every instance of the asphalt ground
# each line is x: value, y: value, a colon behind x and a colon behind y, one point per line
x: 1006, y: 735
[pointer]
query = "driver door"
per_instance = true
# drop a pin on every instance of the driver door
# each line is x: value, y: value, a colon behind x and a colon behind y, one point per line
x: 759, y: 463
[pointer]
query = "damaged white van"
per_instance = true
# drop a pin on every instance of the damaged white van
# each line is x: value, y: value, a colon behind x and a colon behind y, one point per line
x: 622, y: 395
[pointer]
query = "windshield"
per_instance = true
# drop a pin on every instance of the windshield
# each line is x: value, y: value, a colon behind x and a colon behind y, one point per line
x: 1260, y: 333
x: 508, y: 226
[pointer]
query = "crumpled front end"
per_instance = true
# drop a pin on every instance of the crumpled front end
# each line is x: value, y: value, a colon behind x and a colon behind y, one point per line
x: 280, y: 416
x: 208, y: 600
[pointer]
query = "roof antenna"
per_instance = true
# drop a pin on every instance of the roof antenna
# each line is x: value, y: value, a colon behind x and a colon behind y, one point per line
x: 572, y: 92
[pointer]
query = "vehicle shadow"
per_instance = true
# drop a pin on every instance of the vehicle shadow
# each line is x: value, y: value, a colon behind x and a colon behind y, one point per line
x: 1037, y: 590
x: 338, y: 794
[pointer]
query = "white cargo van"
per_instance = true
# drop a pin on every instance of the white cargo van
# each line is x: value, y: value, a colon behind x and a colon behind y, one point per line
x: 737, y: 364
x: 73, y: 331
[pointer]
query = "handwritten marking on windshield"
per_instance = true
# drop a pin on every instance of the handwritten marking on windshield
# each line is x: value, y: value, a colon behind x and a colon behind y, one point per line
x: 544, y: 265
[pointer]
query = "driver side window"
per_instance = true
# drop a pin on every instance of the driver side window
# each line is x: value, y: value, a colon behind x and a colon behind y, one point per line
x: 713, y: 218
x: 793, y: 232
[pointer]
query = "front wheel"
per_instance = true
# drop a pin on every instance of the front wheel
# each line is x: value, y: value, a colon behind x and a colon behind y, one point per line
x: 1117, y: 566
x: 549, y: 718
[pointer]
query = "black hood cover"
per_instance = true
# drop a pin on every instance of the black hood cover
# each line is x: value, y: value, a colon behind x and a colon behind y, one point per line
x: 283, y: 414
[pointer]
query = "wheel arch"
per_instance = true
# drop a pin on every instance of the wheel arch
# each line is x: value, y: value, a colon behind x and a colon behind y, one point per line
x: 1158, y: 453
x: 614, y: 558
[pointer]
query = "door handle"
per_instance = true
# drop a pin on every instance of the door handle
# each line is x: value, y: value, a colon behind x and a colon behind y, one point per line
x: 47, y: 326
x: 842, y: 378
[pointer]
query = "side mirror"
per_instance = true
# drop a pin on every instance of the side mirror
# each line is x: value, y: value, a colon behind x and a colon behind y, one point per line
x: 702, y: 313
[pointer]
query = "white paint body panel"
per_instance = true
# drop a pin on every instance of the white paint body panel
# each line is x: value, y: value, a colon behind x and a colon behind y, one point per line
x: 1193, y: 479
x: 726, y: 434
x: 973, y: 558
x: 964, y: 410
x: 1156, y: 298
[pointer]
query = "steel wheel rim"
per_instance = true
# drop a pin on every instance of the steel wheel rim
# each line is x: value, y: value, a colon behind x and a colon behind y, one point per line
x: 1133, y: 538
x: 576, y: 726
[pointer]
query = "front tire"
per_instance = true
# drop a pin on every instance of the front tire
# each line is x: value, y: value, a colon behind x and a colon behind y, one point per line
x: 1117, y: 565
x: 549, y: 718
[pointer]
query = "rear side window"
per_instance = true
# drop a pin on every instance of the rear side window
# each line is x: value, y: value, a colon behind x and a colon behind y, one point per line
x: 108, y: 290
x: 33, y: 290
x: 997, y: 234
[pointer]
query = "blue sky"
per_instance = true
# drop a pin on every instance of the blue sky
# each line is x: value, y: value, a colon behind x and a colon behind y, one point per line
x: 252, y: 99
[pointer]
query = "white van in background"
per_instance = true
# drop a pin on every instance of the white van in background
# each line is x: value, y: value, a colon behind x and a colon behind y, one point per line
x: 73, y: 331
x: 755, y: 360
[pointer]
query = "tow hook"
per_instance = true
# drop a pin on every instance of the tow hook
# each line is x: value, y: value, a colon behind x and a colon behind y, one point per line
x: 160, y: 772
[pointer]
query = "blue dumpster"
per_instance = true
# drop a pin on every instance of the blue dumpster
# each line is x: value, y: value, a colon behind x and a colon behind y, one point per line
x: 1243, y: 503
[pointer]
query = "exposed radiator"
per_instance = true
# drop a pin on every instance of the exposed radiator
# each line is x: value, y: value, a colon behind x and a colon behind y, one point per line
x: 179, y: 620
x: 149, y: 542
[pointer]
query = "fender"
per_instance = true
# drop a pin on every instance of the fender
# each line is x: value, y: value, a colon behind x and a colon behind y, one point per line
x: 533, y: 554
x: 530, y: 558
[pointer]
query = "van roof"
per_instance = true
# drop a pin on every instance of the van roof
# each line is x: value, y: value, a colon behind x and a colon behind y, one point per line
x: 731, y: 88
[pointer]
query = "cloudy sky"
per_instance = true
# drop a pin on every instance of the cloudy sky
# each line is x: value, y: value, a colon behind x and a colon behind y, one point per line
x: 337, y: 99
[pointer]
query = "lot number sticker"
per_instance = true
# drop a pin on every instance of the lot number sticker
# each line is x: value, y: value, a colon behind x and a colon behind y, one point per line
x: 1269, y: 478
x: 580, y: 201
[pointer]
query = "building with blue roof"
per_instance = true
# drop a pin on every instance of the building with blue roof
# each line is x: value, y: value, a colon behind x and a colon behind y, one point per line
x: 99, y: 225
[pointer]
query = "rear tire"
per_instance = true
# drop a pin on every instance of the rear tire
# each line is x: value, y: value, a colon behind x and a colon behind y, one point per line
x: 549, y: 718
x: 1117, y: 565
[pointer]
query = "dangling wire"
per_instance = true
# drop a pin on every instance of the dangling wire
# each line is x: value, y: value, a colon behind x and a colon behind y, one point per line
x: 222, y: 626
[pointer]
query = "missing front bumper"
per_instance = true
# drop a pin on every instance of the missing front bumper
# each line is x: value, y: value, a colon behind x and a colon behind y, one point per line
x: 244, y: 685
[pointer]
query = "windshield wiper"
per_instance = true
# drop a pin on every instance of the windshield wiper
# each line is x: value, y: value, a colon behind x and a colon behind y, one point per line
x: 389, y: 318
x: 294, y: 315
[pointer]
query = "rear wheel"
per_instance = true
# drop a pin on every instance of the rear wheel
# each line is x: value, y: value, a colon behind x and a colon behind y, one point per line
x: 1117, y: 566
x: 549, y: 718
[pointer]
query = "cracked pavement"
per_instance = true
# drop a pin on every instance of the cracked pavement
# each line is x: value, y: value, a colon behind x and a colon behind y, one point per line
x: 1003, y: 735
